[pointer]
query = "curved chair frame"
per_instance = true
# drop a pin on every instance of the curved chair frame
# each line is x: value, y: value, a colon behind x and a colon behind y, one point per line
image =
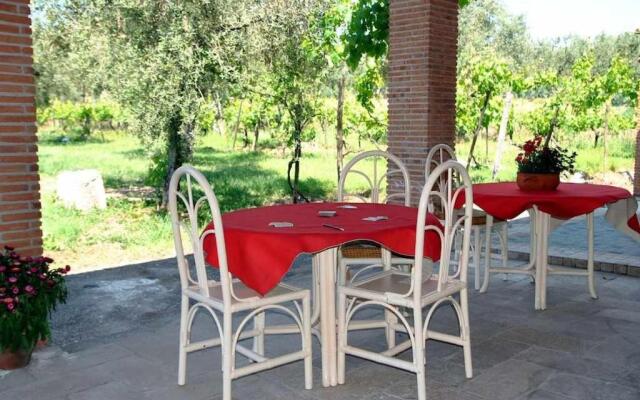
x: 386, y: 261
x: 439, y: 154
x: 219, y: 297
x: 423, y: 291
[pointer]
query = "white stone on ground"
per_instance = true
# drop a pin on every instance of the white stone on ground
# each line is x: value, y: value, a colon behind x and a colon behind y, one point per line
x: 82, y: 190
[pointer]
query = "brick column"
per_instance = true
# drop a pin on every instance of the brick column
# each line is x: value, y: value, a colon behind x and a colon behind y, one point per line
x: 423, y: 40
x: 636, y: 175
x: 19, y: 180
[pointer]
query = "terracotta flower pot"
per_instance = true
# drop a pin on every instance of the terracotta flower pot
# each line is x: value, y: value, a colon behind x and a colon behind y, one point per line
x: 532, y: 182
x: 14, y: 360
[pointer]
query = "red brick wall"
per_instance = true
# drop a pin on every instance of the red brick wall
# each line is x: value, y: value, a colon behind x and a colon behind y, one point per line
x: 423, y: 39
x: 636, y: 180
x: 19, y: 180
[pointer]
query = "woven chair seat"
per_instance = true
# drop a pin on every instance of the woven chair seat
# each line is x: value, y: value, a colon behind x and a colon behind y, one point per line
x: 361, y: 250
x: 479, y: 217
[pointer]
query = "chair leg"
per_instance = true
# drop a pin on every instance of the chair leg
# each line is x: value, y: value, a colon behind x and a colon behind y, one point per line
x: 389, y: 317
x: 258, y: 340
x: 227, y: 362
x: 342, y: 336
x: 466, y: 333
x: 476, y: 256
x: 419, y: 359
x: 342, y: 271
x: 308, y: 359
x: 182, y: 357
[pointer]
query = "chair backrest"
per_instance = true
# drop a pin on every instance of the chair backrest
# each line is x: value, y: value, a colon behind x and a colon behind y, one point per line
x: 189, y: 219
x: 395, y: 168
x: 437, y: 155
x: 447, y: 182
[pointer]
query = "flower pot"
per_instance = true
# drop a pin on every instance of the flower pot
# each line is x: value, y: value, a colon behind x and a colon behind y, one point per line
x: 14, y: 359
x: 532, y: 182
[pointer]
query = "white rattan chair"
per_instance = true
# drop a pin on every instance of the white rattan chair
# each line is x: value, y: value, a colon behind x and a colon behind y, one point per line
x: 368, y: 255
x: 364, y: 254
x: 481, y: 221
x: 227, y: 297
x: 395, y: 290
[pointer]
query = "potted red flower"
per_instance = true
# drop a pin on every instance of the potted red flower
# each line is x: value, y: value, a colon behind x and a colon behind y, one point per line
x: 539, y: 166
x: 29, y: 292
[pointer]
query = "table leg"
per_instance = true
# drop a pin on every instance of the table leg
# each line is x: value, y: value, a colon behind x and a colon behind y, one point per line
x: 542, y: 243
x: 326, y: 262
x: 590, y: 277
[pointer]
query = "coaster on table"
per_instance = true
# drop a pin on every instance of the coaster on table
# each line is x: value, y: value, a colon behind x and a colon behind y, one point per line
x: 376, y: 218
x: 326, y: 213
x: 282, y: 224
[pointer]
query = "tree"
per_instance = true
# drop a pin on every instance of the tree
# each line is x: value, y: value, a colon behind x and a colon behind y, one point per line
x: 480, y: 87
x: 590, y: 96
x: 163, y: 61
x: 67, y: 61
x: 487, y: 30
x: 290, y: 47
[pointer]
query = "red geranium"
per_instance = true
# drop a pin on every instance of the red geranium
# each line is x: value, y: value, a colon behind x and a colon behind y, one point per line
x: 535, y: 158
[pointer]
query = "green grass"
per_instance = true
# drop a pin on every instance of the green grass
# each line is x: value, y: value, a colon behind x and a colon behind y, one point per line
x: 133, y: 230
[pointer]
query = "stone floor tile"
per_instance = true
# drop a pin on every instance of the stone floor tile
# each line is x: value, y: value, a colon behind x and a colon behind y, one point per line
x: 550, y: 340
x: 617, y: 350
x: 539, y: 394
x: 573, y: 364
x: 508, y: 380
x: 490, y: 352
x: 583, y: 388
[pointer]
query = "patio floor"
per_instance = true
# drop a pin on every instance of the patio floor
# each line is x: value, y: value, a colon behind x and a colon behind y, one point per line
x: 117, y: 339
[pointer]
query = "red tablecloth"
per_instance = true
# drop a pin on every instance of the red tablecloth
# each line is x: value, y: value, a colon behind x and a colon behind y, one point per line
x: 260, y: 255
x: 506, y: 201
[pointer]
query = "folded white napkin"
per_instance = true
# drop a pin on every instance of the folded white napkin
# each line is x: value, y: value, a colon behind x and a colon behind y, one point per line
x: 282, y: 224
x: 376, y: 218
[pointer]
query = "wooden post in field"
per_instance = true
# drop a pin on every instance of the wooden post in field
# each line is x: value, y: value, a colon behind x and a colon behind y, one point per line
x: 502, y: 133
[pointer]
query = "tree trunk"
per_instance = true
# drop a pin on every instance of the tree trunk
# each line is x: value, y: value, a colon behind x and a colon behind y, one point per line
x: 502, y: 133
x: 554, y: 122
x: 476, y: 132
x: 340, y: 127
x: 172, y: 160
x: 486, y: 143
x: 237, y: 125
x: 605, y: 133
x: 245, y: 139
x: 179, y: 150
x: 220, y: 117
x: 256, y: 134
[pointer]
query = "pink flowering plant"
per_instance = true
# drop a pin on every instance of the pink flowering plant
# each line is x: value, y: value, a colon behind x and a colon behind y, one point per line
x: 29, y: 292
x: 541, y: 159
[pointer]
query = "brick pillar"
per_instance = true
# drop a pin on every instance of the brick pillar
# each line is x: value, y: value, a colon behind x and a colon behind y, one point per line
x: 423, y: 40
x: 636, y: 174
x: 19, y: 180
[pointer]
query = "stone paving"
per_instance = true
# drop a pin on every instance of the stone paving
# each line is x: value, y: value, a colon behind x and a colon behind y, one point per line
x: 117, y: 339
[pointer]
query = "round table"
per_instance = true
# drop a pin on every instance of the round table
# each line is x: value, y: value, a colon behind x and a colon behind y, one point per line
x: 548, y: 208
x: 260, y: 254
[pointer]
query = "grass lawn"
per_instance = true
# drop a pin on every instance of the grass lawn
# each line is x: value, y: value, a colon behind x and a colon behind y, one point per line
x: 131, y: 229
